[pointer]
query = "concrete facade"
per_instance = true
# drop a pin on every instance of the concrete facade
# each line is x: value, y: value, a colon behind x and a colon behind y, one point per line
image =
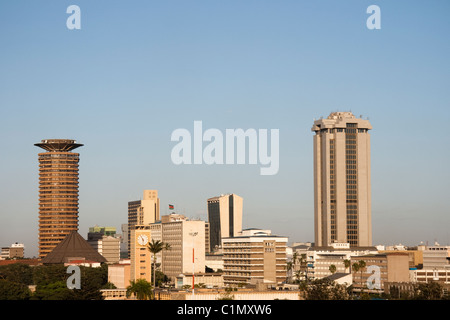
x: 319, y: 259
x: 108, y: 247
x: 254, y: 256
x: 342, y: 187
x: 119, y: 274
x: 379, y: 269
x: 187, y: 247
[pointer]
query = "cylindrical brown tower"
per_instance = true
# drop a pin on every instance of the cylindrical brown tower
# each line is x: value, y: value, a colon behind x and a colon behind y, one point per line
x: 58, y: 192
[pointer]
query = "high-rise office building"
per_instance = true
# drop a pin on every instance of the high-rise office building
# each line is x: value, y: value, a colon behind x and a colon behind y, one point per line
x: 143, y: 212
x: 342, y: 192
x: 58, y: 192
x: 224, y: 217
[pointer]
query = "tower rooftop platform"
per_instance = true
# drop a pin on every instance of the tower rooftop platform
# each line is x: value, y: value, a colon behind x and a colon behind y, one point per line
x: 58, y: 145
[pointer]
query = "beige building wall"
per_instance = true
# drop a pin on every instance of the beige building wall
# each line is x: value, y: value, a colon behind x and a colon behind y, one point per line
x: 254, y: 258
x: 111, y: 249
x: 184, y: 246
x: 208, y: 280
x: 150, y: 207
x: 119, y: 274
x: 394, y: 267
x: 108, y: 247
x: 398, y: 267
x: 415, y: 256
x: 342, y: 187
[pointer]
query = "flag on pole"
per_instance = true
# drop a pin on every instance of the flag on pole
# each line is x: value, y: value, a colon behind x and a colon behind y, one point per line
x: 171, y: 206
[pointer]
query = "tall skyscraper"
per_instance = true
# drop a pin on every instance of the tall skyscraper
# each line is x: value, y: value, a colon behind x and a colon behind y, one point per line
x: 342, y: 192
x: 143, y: 212
x: 58, y: 192
x: 225, y: 218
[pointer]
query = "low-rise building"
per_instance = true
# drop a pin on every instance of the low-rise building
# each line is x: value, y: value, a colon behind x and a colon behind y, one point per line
x: 436, y: 257
x: 119, y: 273
x: 15, y: 251
x: 319, y: 259
x: 214, y: 261
x: 203, y: 280
x: 254, y: 256
x: 441, y: 275
x: 378, y: 269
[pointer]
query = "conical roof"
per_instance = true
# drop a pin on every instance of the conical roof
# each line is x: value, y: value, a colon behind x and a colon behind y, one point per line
x: 74, y: 246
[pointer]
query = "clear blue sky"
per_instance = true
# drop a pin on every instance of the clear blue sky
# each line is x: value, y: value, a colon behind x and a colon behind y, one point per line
x: 137, y: 70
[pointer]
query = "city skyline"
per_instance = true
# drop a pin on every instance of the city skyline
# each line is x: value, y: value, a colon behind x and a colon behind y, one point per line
x: 135, y: 73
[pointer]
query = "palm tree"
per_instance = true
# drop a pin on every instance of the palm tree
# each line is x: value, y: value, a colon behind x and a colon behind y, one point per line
x: 347, y: 264
x: 141, y: 288
x: 302, y: 260
x: 289, y: 267
x: 362, y: 266
x: 298, y: 275
x: 355, y: 267
x: 155, y: 247
x: 359, y: 266
x: 295, y: 258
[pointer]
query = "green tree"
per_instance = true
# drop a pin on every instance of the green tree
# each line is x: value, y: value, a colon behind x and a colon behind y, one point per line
x: 17, y: 273
x: 53, y: 291
x: 140, y: 288
x: 45, y: 274
x: 160, y: 278
x: 362, y: 266
x: 109, y: 285
x: 428, y: 291
x: 289, y: 267
x: 293, y: 263
x: 10, y: 290
x: 298, y: 275
x: 332, y: 268
x: 155, y: 247
x: 51, y: 283
x: 326, y: 289
x: 359, y: 267
x: 347, y: 264
x: 92, y: 281
x: 227, y: 295
x: 303, y: 269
